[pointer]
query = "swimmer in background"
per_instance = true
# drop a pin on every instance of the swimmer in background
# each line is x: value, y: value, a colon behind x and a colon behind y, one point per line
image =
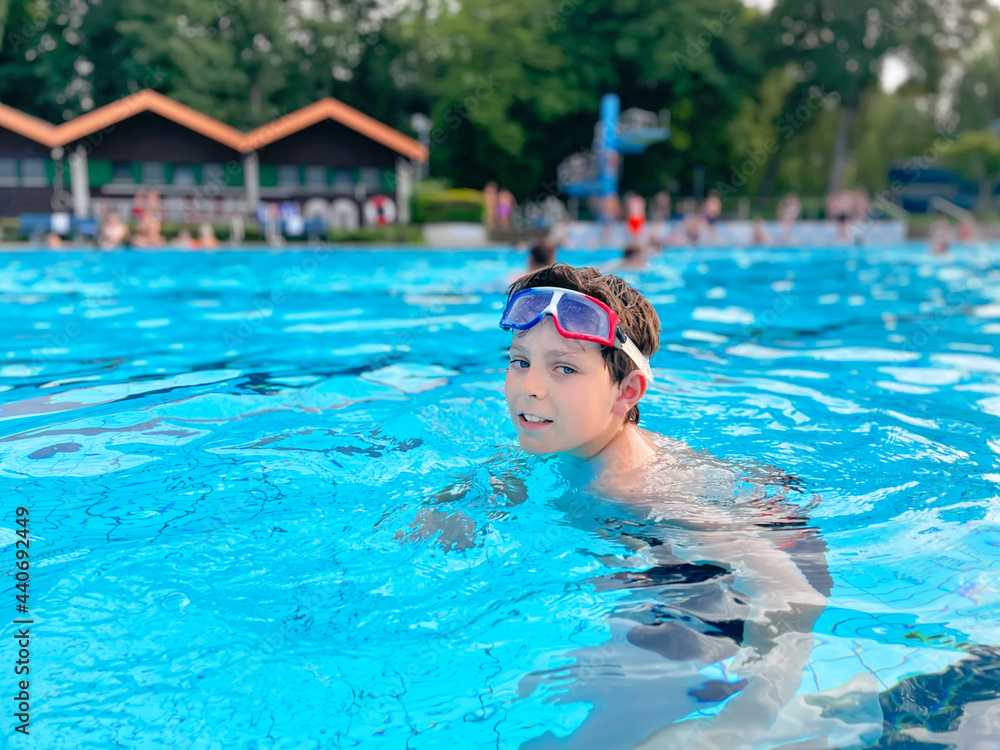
x: 573, y: 389
x: 710, y: 211
x: 633, y: 259
x: 543, y: 253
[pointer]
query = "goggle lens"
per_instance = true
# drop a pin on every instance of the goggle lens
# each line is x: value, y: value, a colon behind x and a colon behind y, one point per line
x: 527, y: 307
x: 577, y: 316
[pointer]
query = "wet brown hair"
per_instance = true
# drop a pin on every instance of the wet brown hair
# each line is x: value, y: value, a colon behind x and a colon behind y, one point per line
x: 638, y: 317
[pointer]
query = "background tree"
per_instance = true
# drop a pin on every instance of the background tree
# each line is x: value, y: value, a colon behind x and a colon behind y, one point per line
x: 843, y: 46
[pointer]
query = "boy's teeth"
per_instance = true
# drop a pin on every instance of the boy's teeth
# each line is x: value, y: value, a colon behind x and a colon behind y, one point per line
x: 533, y: 419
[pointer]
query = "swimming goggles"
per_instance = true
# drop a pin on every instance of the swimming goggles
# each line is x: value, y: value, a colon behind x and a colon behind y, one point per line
x: 576, y: 316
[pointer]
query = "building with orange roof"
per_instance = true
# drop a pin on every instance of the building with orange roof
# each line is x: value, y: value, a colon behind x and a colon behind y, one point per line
x: 328, y: 160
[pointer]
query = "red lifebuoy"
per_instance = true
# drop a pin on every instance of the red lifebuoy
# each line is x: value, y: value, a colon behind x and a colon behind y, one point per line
x: 380, y: 210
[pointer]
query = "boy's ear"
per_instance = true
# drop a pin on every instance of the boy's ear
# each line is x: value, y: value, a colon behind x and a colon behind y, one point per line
x: 631, y: 390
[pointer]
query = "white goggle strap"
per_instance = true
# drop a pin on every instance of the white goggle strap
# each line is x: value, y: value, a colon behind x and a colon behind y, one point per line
x: 638, y: 357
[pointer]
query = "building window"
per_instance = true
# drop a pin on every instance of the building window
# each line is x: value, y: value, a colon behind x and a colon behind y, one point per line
x: 33, y: 172
x: 288, y: 175
x: 184, y: 175
x: 342, y: 179
x: 213, y: 174
x: 369, y: 178
x: 8, y: 171
x: 154, y: 173
x: 316, y: 177
x: 121, y: 172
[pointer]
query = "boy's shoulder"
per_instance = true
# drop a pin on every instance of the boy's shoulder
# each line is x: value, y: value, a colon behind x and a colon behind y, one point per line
x: 673, y: 472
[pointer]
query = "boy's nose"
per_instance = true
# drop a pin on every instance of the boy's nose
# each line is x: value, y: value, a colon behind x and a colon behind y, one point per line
x: 532, y: 384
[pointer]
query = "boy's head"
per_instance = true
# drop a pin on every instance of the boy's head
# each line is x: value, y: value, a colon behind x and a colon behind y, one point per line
x: 585, y: 391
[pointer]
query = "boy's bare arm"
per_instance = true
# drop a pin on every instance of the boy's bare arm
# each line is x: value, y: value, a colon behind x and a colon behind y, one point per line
x: 776, y: 645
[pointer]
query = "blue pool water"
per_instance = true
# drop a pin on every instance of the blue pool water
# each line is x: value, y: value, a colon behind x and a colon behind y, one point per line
x: 275, y: 500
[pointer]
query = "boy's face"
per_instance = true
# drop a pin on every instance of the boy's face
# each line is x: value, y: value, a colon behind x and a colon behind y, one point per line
x: 567, y: 382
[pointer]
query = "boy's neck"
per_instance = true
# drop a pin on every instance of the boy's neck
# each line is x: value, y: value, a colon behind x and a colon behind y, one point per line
x: 625, y: 452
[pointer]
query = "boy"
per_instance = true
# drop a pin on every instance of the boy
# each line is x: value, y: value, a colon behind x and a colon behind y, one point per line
x: 579, y: 365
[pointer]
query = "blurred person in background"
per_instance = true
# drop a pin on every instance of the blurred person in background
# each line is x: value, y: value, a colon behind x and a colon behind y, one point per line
x: 660, y: 209
x: 541, y: 255
x: 710, y: 212
x: 692, y: 221
x: 149, y: 232
x: 206, y: 237
x: 861, y: 203
x: 635, y: 219
x: 633, y: 259
x: 789, y: 210
x: 184, y: 240
x: 490, y: 205
x: 967, y: 229
x: 758, y: 233
x: 840, y: 207
x: 660, y: 232
x: 939, y: 235
x: 138, y: 206
x: 610, y: 214
x: 505, y: 208
x: 114, y: 233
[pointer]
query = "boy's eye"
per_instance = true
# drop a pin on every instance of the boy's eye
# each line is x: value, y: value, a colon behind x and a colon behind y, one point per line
x: 559, y: 367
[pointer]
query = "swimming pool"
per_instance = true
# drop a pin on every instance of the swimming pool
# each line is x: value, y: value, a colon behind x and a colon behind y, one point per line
x: 275, y: 500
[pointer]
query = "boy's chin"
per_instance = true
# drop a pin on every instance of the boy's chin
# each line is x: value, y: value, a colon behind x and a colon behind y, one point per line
x: 534, y: 448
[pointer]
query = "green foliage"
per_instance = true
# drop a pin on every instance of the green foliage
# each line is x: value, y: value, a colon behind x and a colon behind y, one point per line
x: 890, y: 129
x: 840, y: 47
x: 513, y: 87
x: 976, y: 155
x: 448, y: 205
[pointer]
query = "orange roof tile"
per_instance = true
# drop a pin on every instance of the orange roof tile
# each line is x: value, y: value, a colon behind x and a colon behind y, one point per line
x: 30, y: 127
x: 148, y: 100
x: 331, y: 109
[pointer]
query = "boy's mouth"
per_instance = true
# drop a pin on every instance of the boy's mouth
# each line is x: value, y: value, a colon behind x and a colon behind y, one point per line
x: 528, y: 424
